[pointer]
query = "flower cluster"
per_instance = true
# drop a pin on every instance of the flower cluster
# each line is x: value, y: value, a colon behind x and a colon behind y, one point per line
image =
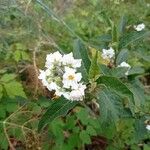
x: 109, y: 54
x: 126, y: 65
x: 62, y: 77
x: 139, y: 27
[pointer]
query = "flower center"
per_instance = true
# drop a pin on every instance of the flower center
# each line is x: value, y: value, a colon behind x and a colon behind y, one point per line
x: 70, y: 77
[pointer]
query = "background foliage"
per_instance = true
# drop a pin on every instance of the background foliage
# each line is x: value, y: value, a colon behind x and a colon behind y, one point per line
x: 30, y: 29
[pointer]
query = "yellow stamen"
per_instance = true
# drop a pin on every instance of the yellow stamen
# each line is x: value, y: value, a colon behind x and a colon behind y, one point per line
x: 55, y: 97
x: 70, y: 77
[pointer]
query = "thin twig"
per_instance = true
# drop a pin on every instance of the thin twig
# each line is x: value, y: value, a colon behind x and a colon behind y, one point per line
x: 18, y: 126
x: 52, y: 14
x: 4, y: 126
x: 27, y: 6
x: 6, y: 135
x: 36, y: 72
x: 14, y: 113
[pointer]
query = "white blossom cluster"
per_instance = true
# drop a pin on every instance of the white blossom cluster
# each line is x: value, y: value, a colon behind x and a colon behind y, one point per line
x: 109, y: 54
x: 126, y: 65
x: 139, y: 27
x: 62, y: 77
x: 148, y: 127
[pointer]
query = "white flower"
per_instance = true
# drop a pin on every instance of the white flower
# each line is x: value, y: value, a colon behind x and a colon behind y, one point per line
x: 42, y: 76
x: 108, y: 54
x: 61, y: 76
x: 139, y: 27
x: 68, y: 60
x: 66, y: 95
x: 48, y: 72
x: 53, y: 86
x: 124, y: 64
x: 81, y: 87
x: 78, y: 93
x: 148, y: 127
x: 70, y: 78
x: 52, y: 59
x: 58, y: 92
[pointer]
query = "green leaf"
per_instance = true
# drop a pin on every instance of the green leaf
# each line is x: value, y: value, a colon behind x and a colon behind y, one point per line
x: 3, y: 141
x: 117, y: 86
x: 94, y: 2
x: 126, y: 128
x: 91, y: 131
x: 57, y: 127
x: 20, y: 46
x: 60, y: 107
x: 122, y: 56
x: 114, y: 33
x: 25, y: 55
x: 94, y: 123
x: 7, y: 77
x: 136, y: 70
x: 83, y: 116
x: 140, y: 130
x: 110, y: 105
x: 117, y: 72
x: 94, y: 69
x: 145, y: 57
x: 84, y: 136
x: 103, y: 38
x: 129, y: 38
x: 138, y: 93
x: 107, y: 129
x: 36, y: 109
x: 44, y: 102
x: 17, y: 55
x: 122, y: 25
x: 74, y: 140
x: 80, y: 52
x: 106, y: 19
x: 11, y: 107
x: 110, y: 147
x: 1, y: 91
x: 70, y: 122
x: 66, y: 147
x: 2, y: 111
x: 146, y: 147
x: 14, y: 89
